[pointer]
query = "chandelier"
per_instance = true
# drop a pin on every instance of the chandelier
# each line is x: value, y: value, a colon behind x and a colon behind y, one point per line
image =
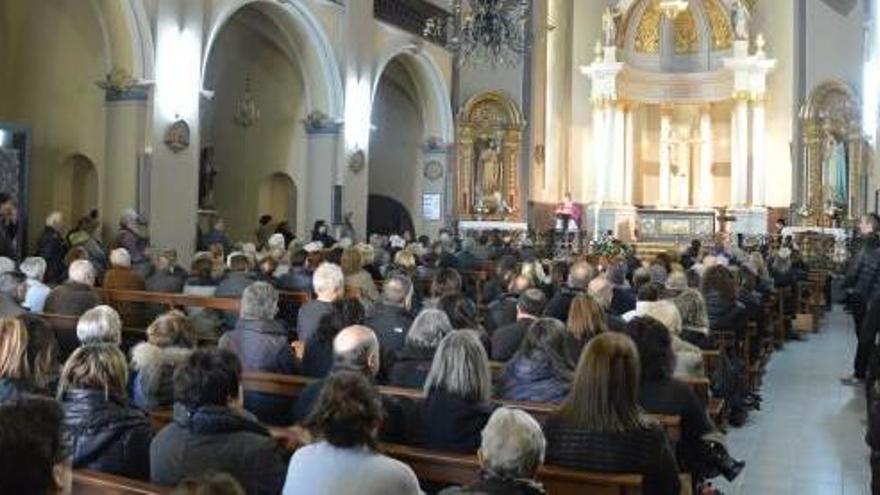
x: 487, y: 32
x: 671, y: 8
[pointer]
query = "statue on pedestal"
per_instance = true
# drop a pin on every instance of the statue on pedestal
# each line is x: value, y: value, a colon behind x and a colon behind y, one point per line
x: 609, y: 27
x: 739, y: 17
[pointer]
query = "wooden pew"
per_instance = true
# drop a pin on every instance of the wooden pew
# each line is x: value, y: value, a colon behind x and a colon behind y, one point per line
x: 86, y: 482
x: 458, y: 469
x: 292, y: 385
x: 175, y: 300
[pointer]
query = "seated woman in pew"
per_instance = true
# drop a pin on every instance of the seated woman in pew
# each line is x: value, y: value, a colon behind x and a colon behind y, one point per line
x: 464, y: 315
x: 42, y: 352
x: 586, y: 319
x: 345, y: 459
x: 700, y: 451
x: 33, y: 457
x: 102, y: 431
x: 511, y: 451
x: 170, y: 341
x: 15, y: 374
x: 201, y: 282
x: 694, y: 320
x: 458, y: 390
x: 600, y: 426
x: 413, y: 362
x: 317, y: 360
x: 719, y: 292
x: 541, y: 371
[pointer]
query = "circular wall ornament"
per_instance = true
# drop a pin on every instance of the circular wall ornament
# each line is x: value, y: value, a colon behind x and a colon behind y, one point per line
x: 357, y: 161
x: 433, y: 170
x: 177, y: 136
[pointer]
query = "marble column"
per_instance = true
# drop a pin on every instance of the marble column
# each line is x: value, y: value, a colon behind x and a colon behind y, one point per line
x: 665, y: 168
x: 617, y: 175
x: 629, y: 159
x: 599, y: 152
x: 706, y: 158
x: 759, y: 166
x: 124, y: 152
x: 739, y: 154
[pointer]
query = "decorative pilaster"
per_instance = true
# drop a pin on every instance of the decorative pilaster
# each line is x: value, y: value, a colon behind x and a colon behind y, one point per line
x: 606, y: 130
x: 706, y: 158
x: 323, y: 142
x: 759, y: 167
x: 629, y: 163
x: 739, y: 151
x: 665, y: 176
x: 617, y: 177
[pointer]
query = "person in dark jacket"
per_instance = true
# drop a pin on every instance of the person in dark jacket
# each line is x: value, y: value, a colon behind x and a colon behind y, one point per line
x: 329, y: 286
x: 602, y: 292
x: 511, y: 451
x: 541, y: 371
x: 15, y: 374
x: 321, y: 233
x: 391, y: 319
x: 8, y: 227
x: 299, y: 277
x: 600, y: 426
x: 164, y: 280
x: 623, y: 298
x: 123, y: 276
x: 136, y: 243
x: 33, y: 457
x: 458, y: 390
x: 77, y: 295
x: 211, y: 432
x: 719, y: 291
x: 170, y: 340
x: 317, y: 360
x: 52, y: 247
x: 502, y: 311
x: 506, y: 340
x: 413, y: 362
x: 262, y: 344
x: 102, y: 431
x: 233, y: 284
x: 861, y: 285
x: 217, y: 235
x: 578, y: 278
x: 660, y: 393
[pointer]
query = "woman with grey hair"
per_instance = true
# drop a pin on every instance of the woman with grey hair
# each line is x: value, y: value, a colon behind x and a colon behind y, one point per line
x: 261, y: 343
x: 98, y: 325
x: 37, y: 292
x: 694, y: 319
x: 458, y: 390
x: 413, y: 362
x: 510, y: 454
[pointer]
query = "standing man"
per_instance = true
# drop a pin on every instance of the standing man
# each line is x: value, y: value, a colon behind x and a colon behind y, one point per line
x: 52, y: 247
x: 861, y: 277
x: 8, y: 227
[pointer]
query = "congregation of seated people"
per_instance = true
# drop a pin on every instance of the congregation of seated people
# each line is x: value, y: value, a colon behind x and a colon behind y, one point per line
x: 449, y: 346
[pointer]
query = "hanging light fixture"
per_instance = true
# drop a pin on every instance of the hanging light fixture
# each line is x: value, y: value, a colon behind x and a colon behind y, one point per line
x: 671, y: 8
x: 484, y: 32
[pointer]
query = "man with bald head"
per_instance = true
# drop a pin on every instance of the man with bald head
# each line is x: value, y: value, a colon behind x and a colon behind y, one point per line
x: 579, y: 276
x: 603, y: 292
x: 390, y: 319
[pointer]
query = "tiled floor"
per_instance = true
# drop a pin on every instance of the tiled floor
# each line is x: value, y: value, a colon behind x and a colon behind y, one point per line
x: 809, y: 436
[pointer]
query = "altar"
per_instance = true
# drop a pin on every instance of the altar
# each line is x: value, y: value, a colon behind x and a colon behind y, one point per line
x: 476, y: 227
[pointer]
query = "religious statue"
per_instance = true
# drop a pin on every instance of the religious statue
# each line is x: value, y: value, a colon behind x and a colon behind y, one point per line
x: 740, y: 20
x: 207, y: 173
x: 609, y: 27
x: 835, y: 189
x: 490, y: 171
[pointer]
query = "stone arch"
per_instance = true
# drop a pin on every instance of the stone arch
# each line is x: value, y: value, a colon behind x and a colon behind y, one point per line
x: 278, y: 197
x: 305, y: 38
x: 76, y: 190
x: 128, y: 40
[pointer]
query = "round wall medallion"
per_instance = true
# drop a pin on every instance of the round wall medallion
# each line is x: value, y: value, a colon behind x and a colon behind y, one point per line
x: 177, y: 136
x: 357, y: 161
x: 433, y: 170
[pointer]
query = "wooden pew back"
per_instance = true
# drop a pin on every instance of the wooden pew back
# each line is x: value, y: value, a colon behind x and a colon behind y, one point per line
x: 86, y: 482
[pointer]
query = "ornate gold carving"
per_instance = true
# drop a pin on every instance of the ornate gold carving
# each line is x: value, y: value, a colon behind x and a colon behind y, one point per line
x: 686, y: 37
x: 719, y: 23
x: 648, y: 32
x: 751, y: 5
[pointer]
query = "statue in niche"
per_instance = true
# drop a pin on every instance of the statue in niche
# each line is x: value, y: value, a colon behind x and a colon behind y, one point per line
x: 207, y: 173
x: 835, y: 187
x: 609, y: 27
x: 740, y: 20
x: 489, y: 170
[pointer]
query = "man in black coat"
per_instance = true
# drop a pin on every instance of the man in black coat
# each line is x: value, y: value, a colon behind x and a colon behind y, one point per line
x: 580, y: 275
x: 862, y: 278
x: 390, y: 319
x: 8, y: 227
x: 52, y: 247
x: 603, y: 292
x: 507, y: 339
x: 211, y: 431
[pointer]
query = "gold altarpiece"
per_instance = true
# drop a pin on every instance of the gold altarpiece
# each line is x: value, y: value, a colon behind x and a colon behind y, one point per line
x: 830, y: 118
x: 489, y: 147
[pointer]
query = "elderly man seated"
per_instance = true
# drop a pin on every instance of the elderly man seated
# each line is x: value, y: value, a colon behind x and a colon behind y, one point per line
x: 12, y: 292
x: 329, y: 283
x: 77, y: 295
x: 37, y: 292
x: 99, y: 325
x: 511, y: 452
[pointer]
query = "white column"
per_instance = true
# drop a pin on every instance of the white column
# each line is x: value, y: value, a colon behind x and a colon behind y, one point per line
x: 617, y: 174
x: 759, y: 189
x: 628, y: 162
x: 665, y: 129
x: 739, y: 154
x: 706, y: 158
x: 322, y: 146
x: 598, y: 152
x: 126, y: 115
x: 608, y: 143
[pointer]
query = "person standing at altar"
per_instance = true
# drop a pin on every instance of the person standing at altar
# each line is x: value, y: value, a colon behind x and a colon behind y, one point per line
x: 568, y: 214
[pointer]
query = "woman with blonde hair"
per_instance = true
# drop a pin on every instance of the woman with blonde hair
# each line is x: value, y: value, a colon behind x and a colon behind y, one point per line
x: 357, y: 278
x: 586, y: 319
x: 15, y: 373
x: 170, y: 340
x: 101, y: 430
x: 600, y: 426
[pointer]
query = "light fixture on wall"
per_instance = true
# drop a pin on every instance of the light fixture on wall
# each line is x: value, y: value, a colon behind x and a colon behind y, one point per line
x: 484, y: 32
x: 671, y: 8
x: 247, y: 113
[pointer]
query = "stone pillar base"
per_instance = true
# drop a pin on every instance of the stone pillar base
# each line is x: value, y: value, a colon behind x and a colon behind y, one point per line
x: 749, y: 221
x: 621, y: 220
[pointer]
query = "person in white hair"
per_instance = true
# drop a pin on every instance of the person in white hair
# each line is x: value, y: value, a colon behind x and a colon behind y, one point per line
x: 99, y: 325
x: 328, y: 282
x: 34, y: 268
x: 688, y: 357
x: 52, y: 247
x: 75, y: 296
x: 121, y: 276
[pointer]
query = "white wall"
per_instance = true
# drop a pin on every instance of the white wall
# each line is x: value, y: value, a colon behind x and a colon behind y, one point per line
x: 834, y: 45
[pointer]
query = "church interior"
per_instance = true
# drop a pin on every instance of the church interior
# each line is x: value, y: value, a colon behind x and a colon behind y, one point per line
x: 398, y: 179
